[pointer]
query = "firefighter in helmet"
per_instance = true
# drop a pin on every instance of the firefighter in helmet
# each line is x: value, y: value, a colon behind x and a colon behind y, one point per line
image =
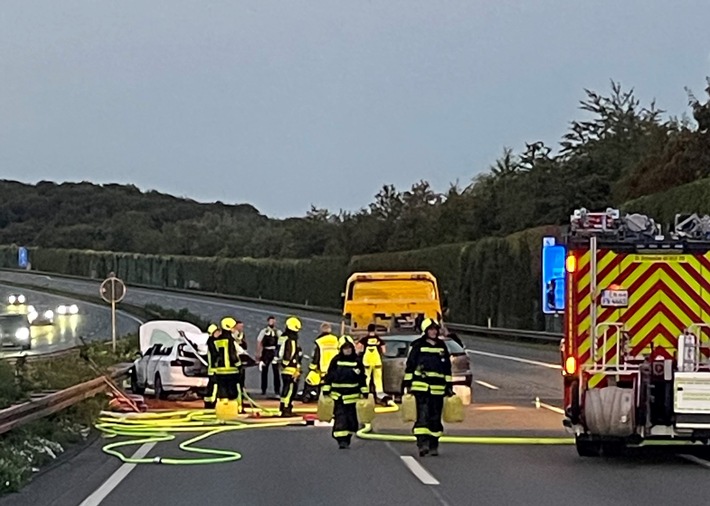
x: 290, y: 357
x: 213, y: 332
x: 345, y: 383
x: 326, y: 347
x: 427, y: 375
x: 225, y: 361
x: 373, y: 348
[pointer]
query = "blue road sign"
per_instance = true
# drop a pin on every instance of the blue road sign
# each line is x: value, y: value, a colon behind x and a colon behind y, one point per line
x: 22, y: 258
x: 553, y: 278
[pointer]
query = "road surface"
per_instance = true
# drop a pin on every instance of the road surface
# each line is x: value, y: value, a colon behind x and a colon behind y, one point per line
x: 92, y: 322
x: 302, y: 465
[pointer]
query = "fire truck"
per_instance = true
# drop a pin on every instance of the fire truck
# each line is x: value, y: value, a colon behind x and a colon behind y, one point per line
x: 636, y: 346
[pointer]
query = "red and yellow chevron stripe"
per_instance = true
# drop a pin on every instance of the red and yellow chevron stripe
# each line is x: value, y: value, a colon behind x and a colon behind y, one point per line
x: 667, y: 294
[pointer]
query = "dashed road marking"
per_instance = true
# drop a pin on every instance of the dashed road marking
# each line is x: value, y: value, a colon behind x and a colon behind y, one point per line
x: 487, y: 385
x: 116, y: 478
x: 515, y: 359
x: 418, y: 470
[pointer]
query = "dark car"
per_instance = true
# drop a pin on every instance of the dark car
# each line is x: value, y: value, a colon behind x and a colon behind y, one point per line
x: 395, y: 359
x: 14, y: 331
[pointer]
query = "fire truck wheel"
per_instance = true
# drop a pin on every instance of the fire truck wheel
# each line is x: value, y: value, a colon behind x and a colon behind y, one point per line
x: 613, y: 448
x: 587, y: 447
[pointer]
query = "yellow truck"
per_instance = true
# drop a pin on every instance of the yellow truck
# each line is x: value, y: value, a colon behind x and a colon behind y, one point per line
x: 391, y: 300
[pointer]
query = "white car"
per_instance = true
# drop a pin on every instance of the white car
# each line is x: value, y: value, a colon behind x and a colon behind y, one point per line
x: 173, y: 359
x: 67, y: 309
x: 40, y: 316
x: 16, y: 299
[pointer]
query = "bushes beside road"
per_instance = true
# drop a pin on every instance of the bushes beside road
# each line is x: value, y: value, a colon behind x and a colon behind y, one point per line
x: 495, y: 278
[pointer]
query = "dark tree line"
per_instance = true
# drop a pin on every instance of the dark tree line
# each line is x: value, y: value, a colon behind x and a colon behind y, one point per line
x: 620, y: 151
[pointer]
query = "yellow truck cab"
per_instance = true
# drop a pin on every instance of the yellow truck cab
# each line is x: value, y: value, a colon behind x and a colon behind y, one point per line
x: 391, y: 300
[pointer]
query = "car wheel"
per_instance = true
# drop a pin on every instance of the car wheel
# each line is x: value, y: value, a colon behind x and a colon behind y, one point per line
x: 160, y: 393
x: 135, y: 387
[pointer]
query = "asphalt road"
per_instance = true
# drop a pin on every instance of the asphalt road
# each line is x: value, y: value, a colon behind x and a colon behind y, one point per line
x: 302, y: 465
x: 92, y: 322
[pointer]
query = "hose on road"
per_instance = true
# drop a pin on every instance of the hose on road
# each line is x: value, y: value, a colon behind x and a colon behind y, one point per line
x: 367, y: 433
x: 156, y: 427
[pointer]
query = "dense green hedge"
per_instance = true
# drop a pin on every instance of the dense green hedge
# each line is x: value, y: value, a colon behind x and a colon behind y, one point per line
x: 689, y: 198
x: 496, y: 278
x: 317, y: 282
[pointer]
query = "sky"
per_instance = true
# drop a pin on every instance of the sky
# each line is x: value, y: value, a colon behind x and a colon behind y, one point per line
x: 284, y: 104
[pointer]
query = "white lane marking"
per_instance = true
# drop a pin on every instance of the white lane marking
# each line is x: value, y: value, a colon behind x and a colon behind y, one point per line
x: 418, y: 470
x: 487, y: 385
x: 515, y: 359
x: 550, y: 407
x: 116, y: 478
x: 696, y: 460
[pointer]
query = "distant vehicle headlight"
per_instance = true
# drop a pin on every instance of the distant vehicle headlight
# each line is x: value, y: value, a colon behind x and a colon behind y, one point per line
x: 62, y: 309
x: 21, y: 299
x: 49, y: 314
x: 11, y: 299
x: 23, y: 333
x: 32, y: 316
x: 73, y: 309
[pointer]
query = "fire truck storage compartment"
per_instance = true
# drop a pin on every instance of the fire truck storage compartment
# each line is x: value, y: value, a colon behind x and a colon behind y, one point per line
x: 609, y: 411
x: 691, y: 399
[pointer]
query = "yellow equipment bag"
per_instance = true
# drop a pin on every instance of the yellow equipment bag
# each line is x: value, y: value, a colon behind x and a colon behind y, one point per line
x: 408, y: 408
x: 326, y: 406
x: 453, y: 409
x: 226, y: 410
x: 365, y: 410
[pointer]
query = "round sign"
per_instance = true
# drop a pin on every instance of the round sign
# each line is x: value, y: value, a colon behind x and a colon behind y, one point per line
x: 112, y: 290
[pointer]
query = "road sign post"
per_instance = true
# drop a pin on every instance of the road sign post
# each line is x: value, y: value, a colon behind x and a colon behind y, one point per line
x: 113, y: 290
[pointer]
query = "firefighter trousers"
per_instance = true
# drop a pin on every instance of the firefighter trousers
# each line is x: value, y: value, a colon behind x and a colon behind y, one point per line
x: 268, y: 360
x: 288, y: 387
x: 344, y: 421
x: 374, y: 375
x: 428, y: 427
x: 228, y: 387
x: 211, y: 392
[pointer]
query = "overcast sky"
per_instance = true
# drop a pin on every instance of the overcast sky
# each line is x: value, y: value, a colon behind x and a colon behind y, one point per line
x: 284, y: 104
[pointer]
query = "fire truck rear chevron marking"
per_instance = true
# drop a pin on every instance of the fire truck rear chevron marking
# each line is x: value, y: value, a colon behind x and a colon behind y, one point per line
x: 664, y: 299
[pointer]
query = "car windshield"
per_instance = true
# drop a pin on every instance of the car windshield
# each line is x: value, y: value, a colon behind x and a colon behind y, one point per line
x: 398, y: 349
x: 454, y: 347
x: 12, y: 321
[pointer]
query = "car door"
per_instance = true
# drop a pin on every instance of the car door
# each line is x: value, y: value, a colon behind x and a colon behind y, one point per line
x: 142, y: 366
x: 393, y: 364
x: 153, y: 364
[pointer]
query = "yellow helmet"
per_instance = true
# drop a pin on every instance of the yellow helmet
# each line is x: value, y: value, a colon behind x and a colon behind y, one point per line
x: 429, y: 322
x: 293, y: 324
x: 212, y: 328
x: 345, y: 340
x: 228, y: 323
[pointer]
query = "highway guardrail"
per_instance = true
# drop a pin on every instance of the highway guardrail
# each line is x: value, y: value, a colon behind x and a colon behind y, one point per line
x: 21, y: 414
x: 505, y: 333
x: 527, y: 335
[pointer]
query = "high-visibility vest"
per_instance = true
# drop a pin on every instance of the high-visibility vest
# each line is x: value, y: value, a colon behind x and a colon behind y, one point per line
x: 371, y: 357
x: 328, y: 345
x: 224, y: 364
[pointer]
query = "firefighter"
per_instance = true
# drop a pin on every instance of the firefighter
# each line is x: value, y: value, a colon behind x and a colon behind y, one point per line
x: 427, y: 375
x: 345, y: 383
x: 326, y: 347
x: 373, y: 348
x: 266, y: 347
x: 213, y: 332
x: 290, y: 356
x: 225, y: 361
